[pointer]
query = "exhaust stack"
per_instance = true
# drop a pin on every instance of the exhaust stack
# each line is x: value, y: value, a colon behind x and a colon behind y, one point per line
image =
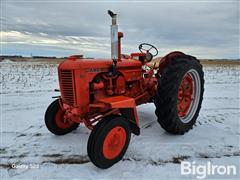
x: 114, y: 42
x: 114, y: 36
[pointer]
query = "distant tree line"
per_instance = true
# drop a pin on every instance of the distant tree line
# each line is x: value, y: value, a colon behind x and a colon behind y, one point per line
x: 5, y: 57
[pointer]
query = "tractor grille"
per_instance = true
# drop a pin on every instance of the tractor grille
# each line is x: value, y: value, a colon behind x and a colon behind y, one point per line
x: 67, y: 86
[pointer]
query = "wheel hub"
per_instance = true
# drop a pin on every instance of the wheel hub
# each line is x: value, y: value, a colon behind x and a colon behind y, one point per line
x: 185, y: 95
x: 61, y: 121
x: 188, y: 95
x: 114, y: 142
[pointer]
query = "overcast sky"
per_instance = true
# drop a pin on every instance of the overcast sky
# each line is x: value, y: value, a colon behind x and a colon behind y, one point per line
x: 206, y: 29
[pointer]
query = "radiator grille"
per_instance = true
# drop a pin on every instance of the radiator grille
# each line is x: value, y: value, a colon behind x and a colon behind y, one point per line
x: 67, y: 86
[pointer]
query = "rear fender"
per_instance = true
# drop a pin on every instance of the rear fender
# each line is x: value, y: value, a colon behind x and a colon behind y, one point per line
x: 170, y: 57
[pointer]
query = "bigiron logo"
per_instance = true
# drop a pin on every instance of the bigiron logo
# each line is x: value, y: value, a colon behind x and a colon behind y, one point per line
x: 201, y: 171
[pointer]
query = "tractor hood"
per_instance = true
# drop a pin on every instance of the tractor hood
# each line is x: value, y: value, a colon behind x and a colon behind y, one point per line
x: 71, y: 64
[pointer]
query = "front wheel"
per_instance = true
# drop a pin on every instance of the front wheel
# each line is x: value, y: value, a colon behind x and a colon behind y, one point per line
x: 55, y: 122
x: 179, y: 95
x: 108, y: 141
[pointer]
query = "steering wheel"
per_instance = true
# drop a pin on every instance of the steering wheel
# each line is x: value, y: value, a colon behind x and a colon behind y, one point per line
x: 143, y: 49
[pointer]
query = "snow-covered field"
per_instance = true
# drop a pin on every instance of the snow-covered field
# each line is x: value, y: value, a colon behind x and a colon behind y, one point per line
x: 26, y: 91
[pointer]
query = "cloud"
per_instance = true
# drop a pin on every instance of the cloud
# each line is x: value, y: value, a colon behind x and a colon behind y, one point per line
x: 83, y: 44
x: 204, y: 29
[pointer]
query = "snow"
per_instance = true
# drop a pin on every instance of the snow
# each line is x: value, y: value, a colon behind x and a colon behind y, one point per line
x: 26, y: 91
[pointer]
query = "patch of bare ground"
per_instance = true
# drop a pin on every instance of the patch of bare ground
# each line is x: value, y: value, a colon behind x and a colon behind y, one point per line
x: 6, y: 166
x: 60, y: 159
x: 206, y: 62
x: 220, y: 62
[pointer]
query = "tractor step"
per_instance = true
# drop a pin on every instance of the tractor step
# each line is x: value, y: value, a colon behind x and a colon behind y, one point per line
x: 119, y: 102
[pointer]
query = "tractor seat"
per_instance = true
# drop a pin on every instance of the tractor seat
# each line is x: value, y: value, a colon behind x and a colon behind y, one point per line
x: 154, y: 63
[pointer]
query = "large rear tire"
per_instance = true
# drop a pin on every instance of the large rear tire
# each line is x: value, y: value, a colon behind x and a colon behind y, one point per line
x: 109, y: 141
x: 180, y: 94
x: 55, y: 122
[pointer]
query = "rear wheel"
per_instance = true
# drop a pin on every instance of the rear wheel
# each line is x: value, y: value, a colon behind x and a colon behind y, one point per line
x: 55, y: 122
x: 179, y: 95
x: 109, y: 141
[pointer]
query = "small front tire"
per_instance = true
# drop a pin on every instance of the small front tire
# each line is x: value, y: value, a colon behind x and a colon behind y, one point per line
x: 109, y: 141
x: 55, y: 122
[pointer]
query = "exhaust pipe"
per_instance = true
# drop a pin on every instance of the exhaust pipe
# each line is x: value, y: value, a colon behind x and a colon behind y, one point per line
x: 114, y: 36
x: 114, y: 42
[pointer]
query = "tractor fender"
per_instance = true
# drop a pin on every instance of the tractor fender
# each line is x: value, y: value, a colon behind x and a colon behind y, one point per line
x: 170, y: 57
x: 127, y: 108
x: 131, y: 115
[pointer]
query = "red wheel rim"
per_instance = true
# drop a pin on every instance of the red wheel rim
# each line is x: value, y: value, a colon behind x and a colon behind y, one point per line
x: 114, y: 142
x: 185, y: 95
x: 61, y: 122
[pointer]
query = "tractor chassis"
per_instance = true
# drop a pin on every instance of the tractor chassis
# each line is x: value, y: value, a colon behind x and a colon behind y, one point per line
x: 123, y: 105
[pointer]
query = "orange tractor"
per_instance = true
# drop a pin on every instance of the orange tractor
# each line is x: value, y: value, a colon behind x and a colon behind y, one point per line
x: 103, y: 94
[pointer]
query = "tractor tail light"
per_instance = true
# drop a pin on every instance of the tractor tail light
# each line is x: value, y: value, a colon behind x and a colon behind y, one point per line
x: 67, y: 86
